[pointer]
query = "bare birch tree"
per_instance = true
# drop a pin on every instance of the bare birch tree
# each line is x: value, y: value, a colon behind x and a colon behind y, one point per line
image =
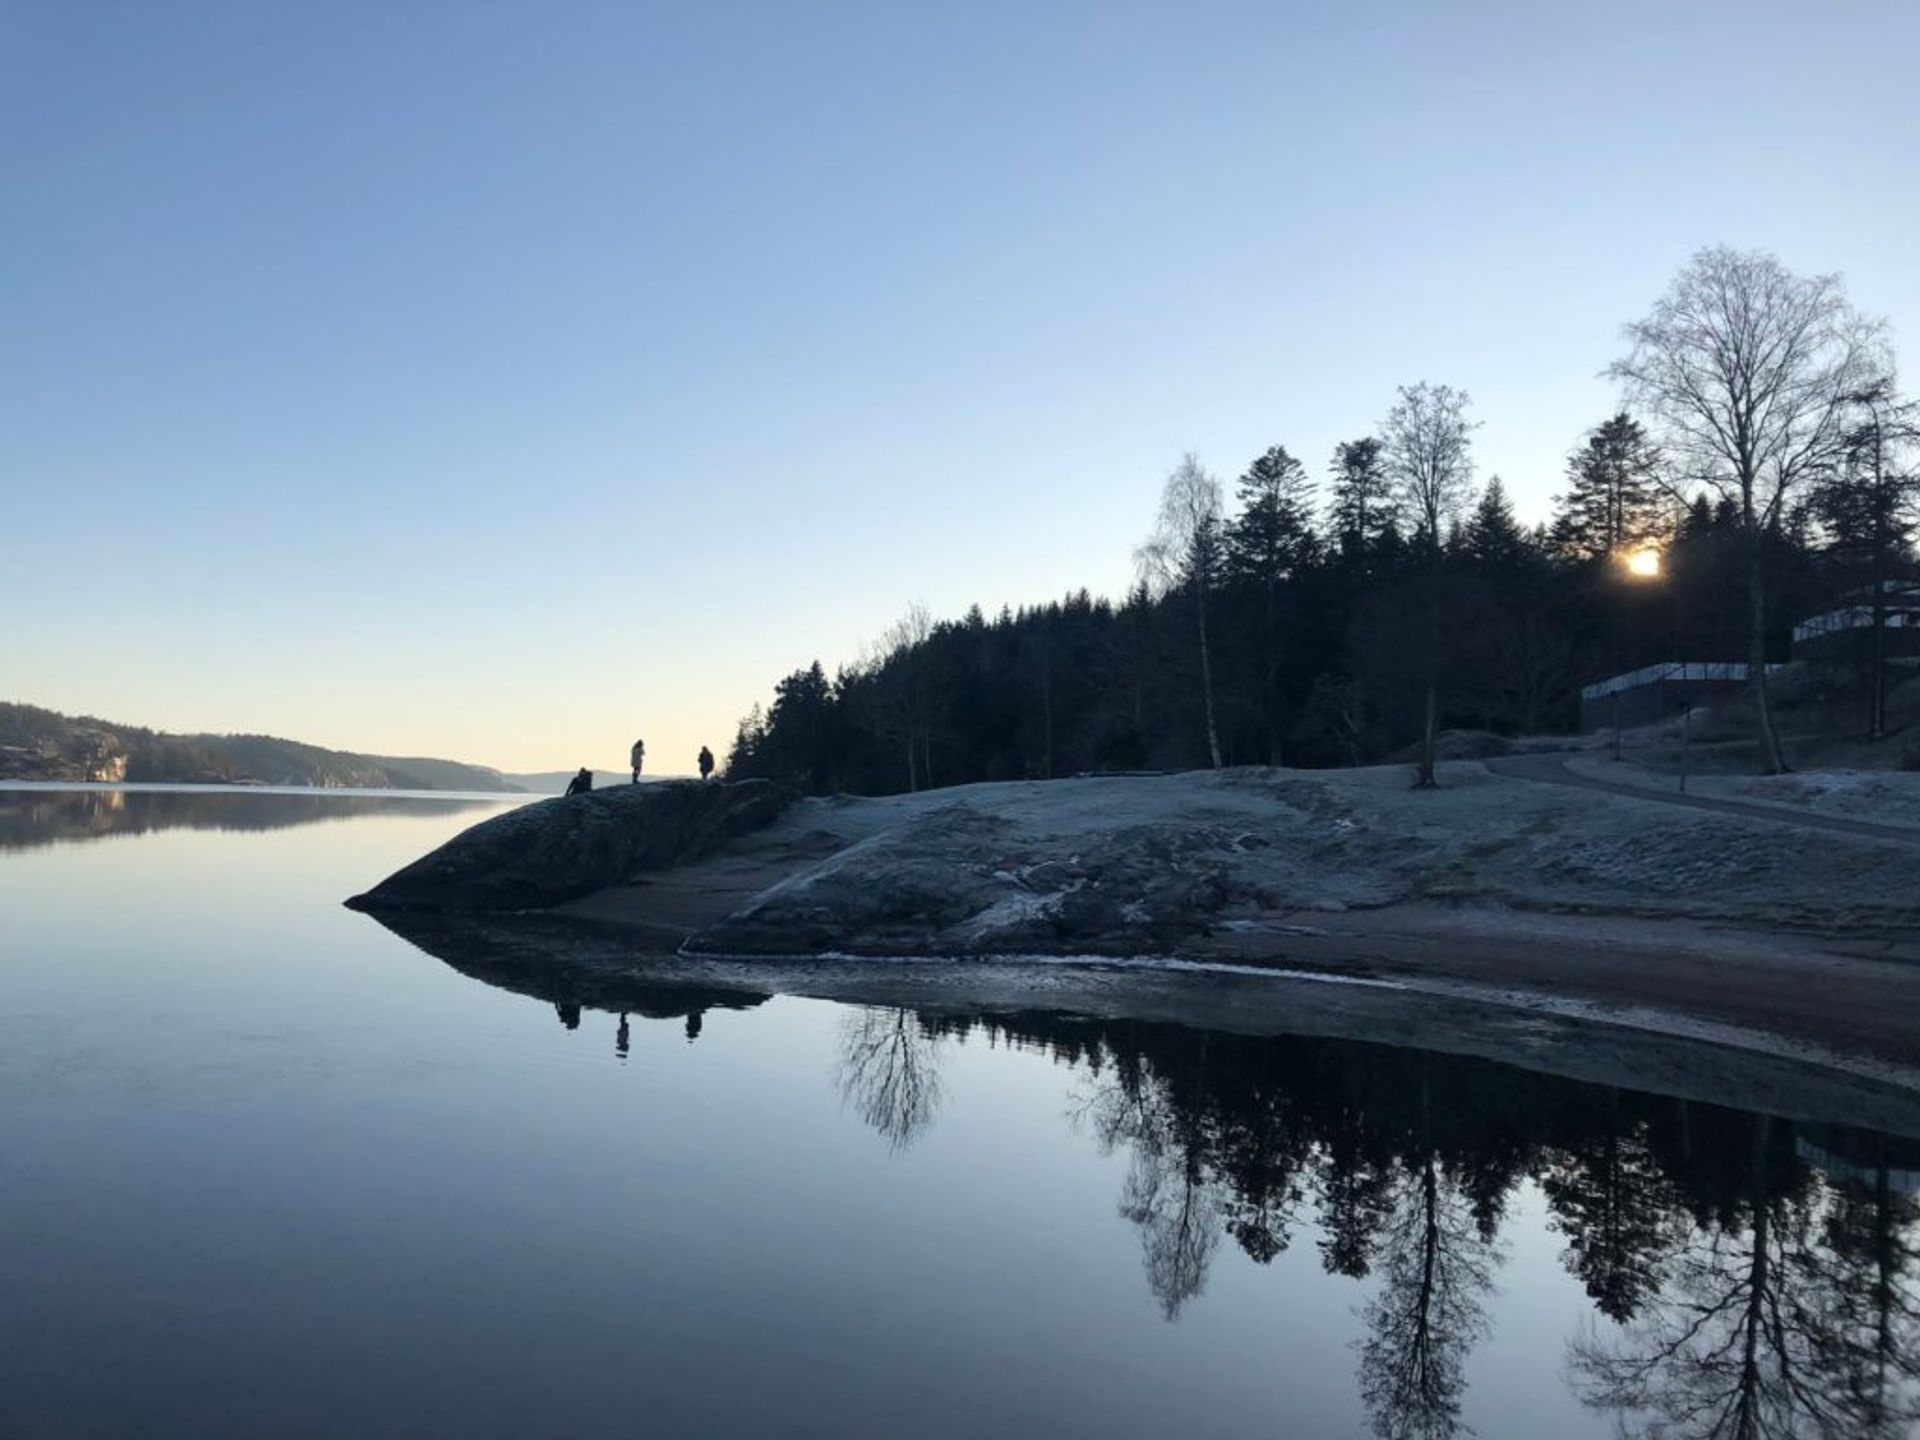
x: 1428, y: 442
x: 1748, y: 369
x: 1184, y: 553
x: 900, y: 698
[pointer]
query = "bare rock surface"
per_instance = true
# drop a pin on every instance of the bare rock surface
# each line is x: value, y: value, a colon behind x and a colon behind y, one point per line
x: 1543, y: 898
x: 1134, y: 865
x: 556, y: 850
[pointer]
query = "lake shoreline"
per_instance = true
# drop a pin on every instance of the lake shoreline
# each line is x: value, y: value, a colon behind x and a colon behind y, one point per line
x: 1537, y: 898
x: 1838, y: 993
x: 569, y: 961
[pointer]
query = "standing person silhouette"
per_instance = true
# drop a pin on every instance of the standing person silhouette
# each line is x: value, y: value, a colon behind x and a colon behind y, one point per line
x: 639, y: 757
x: 706, y: 762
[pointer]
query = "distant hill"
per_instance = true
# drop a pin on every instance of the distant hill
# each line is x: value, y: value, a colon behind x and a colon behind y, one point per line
x: 37, y: 744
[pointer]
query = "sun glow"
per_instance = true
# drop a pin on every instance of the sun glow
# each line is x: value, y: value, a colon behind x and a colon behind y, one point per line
x: 1644, y: 563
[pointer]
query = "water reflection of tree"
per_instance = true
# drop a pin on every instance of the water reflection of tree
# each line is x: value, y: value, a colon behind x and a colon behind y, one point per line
x: 1354, y: 1199
x: 1870, y: 1305
x: 890, y: 1071
x: 1430, y: 1310
x: 34, y: 818
x: 1764, y: 1330
x: 1168, y: 1196
x: 1437, y: 1255
x: 1167, y: 1193
x: 1612, y: 1199
x: 1743, y: 1293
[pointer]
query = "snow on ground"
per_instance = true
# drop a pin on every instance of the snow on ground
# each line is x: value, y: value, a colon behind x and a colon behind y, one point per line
x: 1145, y: 861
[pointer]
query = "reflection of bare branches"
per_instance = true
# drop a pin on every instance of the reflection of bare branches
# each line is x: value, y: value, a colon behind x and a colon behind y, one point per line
x: 1179, y: 1220
x: 1755, y: 1336
x: 1870, y: 1308
x: 1435, y: 1272
x: 889, y: 1071
x: 1748, y: 1299
x: 1168, y: 1192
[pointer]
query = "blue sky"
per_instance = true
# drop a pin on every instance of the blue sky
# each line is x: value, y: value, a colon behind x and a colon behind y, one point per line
x: 501, y: 380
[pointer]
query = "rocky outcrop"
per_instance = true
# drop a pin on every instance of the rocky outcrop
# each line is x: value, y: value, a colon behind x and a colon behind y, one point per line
x: 957, y: 881
x: 556, y: 850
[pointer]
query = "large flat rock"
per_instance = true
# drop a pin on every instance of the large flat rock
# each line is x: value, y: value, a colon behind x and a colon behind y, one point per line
x: 552, y: 851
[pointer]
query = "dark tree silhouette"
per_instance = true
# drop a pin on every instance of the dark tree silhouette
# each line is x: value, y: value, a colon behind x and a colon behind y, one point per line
x: 1270, y: 543
x: 1363, y: 508
x: 1615, y: 500
x: 1868, y: 506
x: 1251, y: 638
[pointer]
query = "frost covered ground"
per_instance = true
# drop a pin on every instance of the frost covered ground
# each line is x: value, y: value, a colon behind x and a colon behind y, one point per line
x: 1885, y: 797
x: 1129, y: 865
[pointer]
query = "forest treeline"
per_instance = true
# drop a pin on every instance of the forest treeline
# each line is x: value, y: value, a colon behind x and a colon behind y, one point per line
x: 40, y: 744
x: 1768, y: 467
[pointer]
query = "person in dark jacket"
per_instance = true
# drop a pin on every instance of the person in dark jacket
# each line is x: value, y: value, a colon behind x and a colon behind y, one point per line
x: 581, y: 783
x: 706, y: 762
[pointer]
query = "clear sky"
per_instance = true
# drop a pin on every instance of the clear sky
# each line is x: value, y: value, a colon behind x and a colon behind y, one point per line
x: 499, y: 381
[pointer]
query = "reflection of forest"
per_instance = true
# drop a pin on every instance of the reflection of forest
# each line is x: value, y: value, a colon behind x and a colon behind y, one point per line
x: 31, y: 818
x: 1749, y: 1278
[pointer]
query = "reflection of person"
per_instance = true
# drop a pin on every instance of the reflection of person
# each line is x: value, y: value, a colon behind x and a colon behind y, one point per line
x: 620, y: 1037
x: 581, y: 783
x: 639, y: 755
x: 693, y: 1025
x: 706, y: 762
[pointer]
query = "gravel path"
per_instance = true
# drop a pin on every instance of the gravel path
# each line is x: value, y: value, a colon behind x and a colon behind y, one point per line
x: 1552, y: 770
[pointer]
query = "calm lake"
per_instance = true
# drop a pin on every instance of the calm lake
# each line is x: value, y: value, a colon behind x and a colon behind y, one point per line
x: 266, y: 1169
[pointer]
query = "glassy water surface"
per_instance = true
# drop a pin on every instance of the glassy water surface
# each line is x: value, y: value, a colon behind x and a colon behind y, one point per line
x: 266, y: 1169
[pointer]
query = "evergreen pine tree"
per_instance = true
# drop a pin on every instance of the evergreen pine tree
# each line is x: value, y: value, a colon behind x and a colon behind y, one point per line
x: 1270, y: 543
x: 1362, y: 508
x: 1273, y: 537
x: 1493, y: 535
x: 1613, y: 502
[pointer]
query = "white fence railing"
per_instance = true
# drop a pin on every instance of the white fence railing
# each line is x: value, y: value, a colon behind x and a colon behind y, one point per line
x: 1853, y: 617
x: 1696, y: 672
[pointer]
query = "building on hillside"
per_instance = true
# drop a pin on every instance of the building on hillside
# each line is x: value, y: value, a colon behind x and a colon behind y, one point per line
x: 1659, y: 692
x: 1845, y: 634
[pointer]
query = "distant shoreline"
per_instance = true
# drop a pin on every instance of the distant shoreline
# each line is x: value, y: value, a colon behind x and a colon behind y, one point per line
x: 247, y: 787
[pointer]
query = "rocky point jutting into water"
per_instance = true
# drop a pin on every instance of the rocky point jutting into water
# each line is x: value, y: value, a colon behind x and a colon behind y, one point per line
x: 560, y: 849
x: 1748, y: 917
x: 1123, y: 865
